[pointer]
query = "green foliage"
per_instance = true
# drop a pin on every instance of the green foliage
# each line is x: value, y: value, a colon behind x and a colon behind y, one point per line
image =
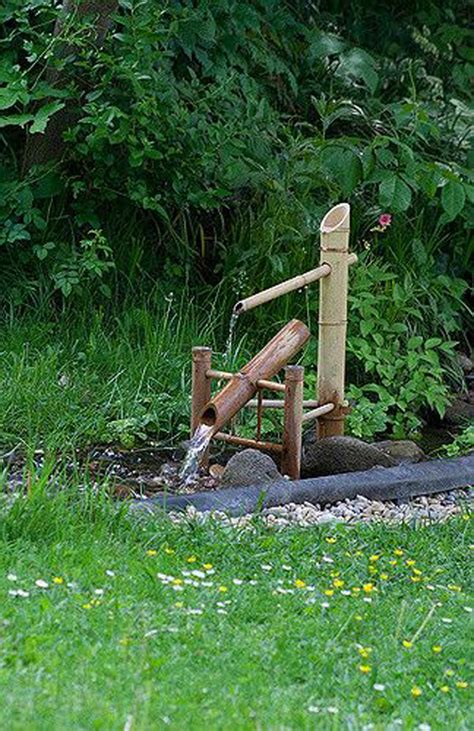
x: 391, y: 342
x: 463, y: 443
x: 186, y: 108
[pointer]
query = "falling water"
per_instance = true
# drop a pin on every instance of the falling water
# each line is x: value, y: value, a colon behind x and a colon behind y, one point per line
x: 230, y: 337
x: 196, y: 450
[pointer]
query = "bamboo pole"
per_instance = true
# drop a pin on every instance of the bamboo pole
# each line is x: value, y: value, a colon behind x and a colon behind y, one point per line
x: 318, y: 412
x: 334, y: 247
x: 201, y: 385
x: 265, y: 364
x: 200, y: 389
x: 302, y: 280
x: 280, y: 403
x: 261, y: 383
x: 252, y: 443
x: 291, y: 455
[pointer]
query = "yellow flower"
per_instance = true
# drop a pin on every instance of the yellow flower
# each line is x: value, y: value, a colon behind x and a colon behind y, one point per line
x: 444, y: 689
x: 398, y: 552
x: 410, y: 562
x: 151, y: 552
x: 384, y: 576
x: 338, y: 583
x: 365, y: 668
x: 300, y: 584
x: 207, y: 566
x: 329, y: 592
x: 177, y: 582
x: 178, y: 605
x: 356, y: 589
x: 169, y: 551
x: 415, y: 579
x: 454, y: 587
x: 368, y: 588
x: 331, y: 539
x: 416, y: 691
x: 462, y: 684
x: 449, y: 673
x: 465, y: 516
x: 407, y: 644
x: 223, y: 589
x: 365, y: 652
x: 374, y: 557
x: 394, y: 562
x: 191, y: 559
x: 436, y: 648
x: 87, y: 606
x: 417, y: 572
x: 58, y: 580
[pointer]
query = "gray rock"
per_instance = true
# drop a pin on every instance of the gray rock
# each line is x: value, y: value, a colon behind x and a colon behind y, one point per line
x: 401, y: 451
x: 459, y: 413
x: 336, y: 455
x: 249, y: 467
x: 465, y: 362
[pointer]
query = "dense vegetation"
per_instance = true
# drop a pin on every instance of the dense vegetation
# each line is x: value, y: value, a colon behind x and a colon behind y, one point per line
x: 193, y: 147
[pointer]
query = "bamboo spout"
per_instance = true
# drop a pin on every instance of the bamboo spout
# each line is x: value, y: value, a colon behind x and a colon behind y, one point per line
x: 302, y: 280
x: 244, y: 384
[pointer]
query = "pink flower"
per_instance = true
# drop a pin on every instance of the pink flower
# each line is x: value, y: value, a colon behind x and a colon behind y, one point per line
x: 385, y: 219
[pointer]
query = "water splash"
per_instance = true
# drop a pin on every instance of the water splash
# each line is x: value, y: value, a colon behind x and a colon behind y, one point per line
x: 229, y: 346
x: 196, y: 451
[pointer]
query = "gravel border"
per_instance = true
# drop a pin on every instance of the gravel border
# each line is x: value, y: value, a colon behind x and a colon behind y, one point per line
x: 420, y: 510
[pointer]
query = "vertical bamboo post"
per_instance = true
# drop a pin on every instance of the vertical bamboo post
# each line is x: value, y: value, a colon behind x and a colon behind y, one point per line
x: 293, y: 418
x: 200, y: 389
x: 334, y: 249
x: 201, y: 385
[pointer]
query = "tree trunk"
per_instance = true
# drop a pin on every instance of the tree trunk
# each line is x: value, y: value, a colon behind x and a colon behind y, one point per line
x: 43, y: 148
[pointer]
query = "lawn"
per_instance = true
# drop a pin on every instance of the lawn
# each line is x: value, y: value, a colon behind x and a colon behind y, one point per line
x: 110, y: 623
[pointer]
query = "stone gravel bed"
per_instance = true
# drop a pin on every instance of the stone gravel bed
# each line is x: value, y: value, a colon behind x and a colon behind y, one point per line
x: 425, y: 509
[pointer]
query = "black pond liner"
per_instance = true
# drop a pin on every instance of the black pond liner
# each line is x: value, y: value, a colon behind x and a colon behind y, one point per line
x: 379, y: 483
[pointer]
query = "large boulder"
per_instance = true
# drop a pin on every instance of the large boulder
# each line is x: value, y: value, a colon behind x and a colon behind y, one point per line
x: 336, y: 455
x: 402, y: 451
x: 249, y: 467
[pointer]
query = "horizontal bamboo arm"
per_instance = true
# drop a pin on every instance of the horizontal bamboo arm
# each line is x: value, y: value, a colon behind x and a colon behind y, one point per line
x: 226, y: 376
x: 279, y: 403
x: 319, y: 411
x: 302, y: 280
x: 242, y: 442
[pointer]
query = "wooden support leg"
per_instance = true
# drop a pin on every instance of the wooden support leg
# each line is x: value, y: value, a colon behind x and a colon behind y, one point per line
x: 293, y: 416
x: 201, y: 388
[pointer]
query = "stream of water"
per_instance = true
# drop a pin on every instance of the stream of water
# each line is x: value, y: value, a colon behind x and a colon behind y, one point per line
x: 196, y: 451
x: 202, y: 435
x: 229, y: 346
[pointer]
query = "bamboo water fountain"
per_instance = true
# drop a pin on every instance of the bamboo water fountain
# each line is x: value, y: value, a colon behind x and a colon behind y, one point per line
x: 210, y: 415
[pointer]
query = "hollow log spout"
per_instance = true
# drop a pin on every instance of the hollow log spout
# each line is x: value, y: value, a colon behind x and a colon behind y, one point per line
x: 243, y: 385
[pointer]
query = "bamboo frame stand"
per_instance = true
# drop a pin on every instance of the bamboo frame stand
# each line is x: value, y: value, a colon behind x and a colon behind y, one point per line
x: 292, y: 405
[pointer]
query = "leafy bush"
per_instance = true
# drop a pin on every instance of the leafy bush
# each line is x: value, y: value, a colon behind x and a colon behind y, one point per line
x: 195, y: 107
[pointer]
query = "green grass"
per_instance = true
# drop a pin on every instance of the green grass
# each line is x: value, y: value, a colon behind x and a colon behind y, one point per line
x: 124, y: 375
x: 252, y: 657
x: 89, y: 377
